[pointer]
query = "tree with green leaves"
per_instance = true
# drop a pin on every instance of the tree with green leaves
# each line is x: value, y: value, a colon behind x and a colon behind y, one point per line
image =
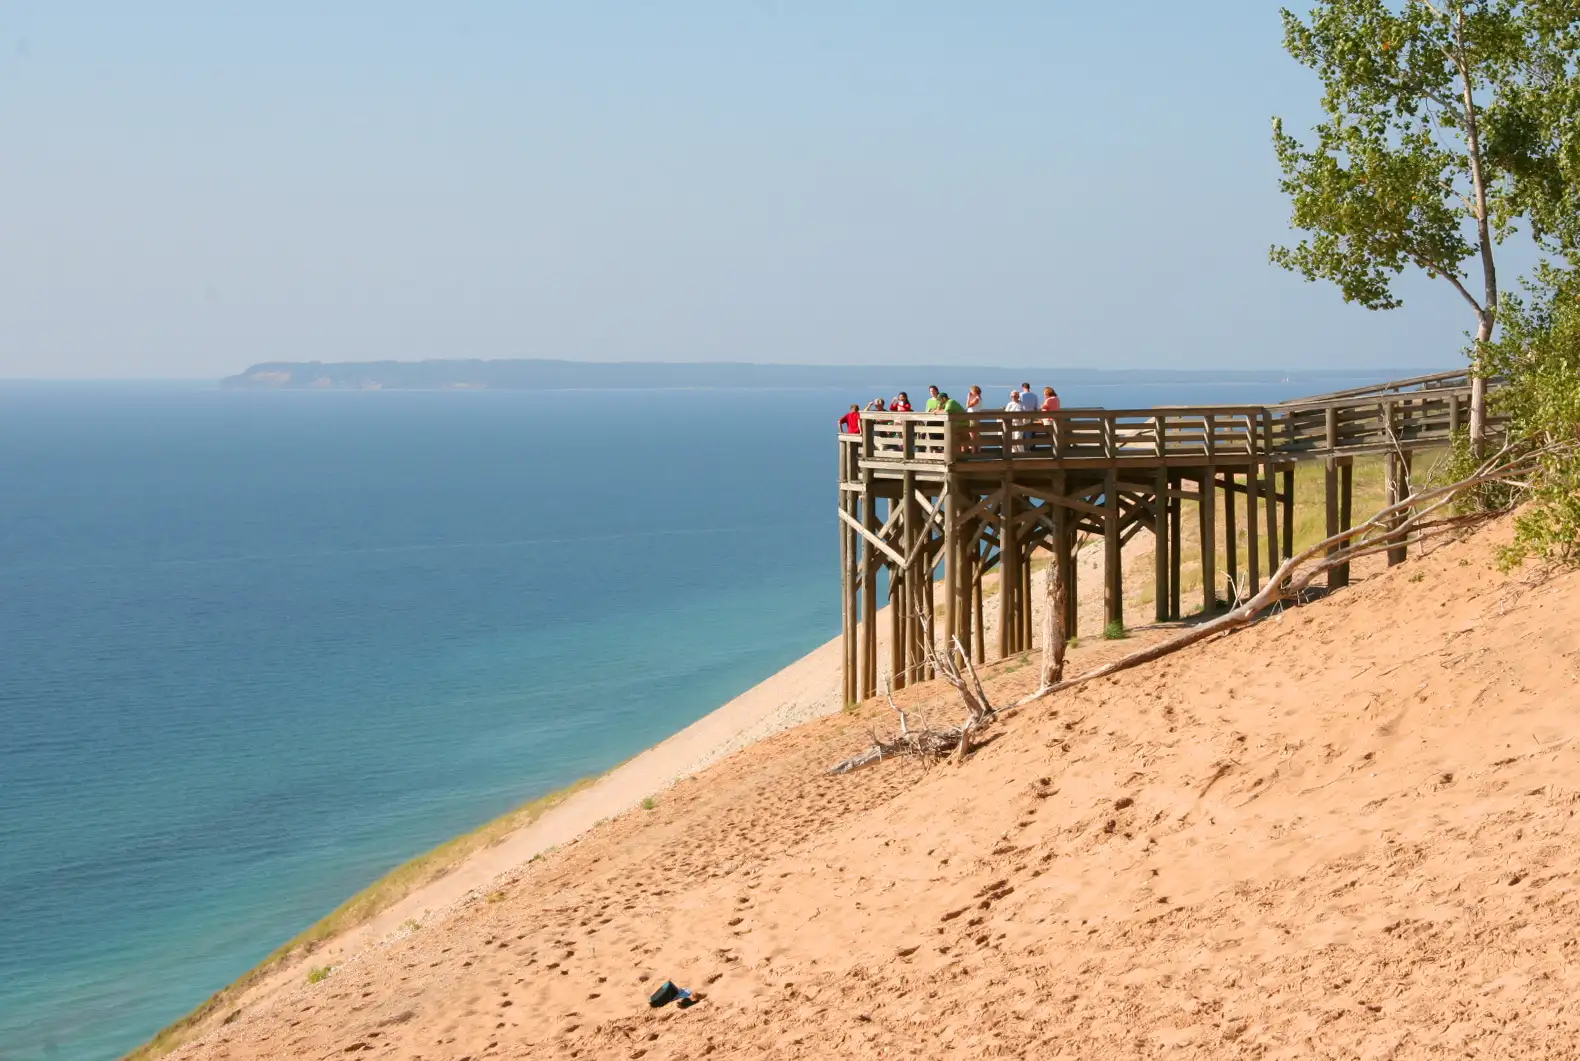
x: 1448, y: 121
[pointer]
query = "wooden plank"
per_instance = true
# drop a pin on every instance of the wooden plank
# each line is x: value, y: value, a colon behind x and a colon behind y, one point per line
x: 1113, y: 574
x: 1207, y: 510
x: 847, y: 582
x: 869, y: 591
x: 951, y: 560
x: 1231, y: 533
x: 1009, y: 571
x: 1160, y: 553
x: 1270, y: 495
x: 1175, y: 537
x: 1288, y: 498
x: 897, y: 582
x: 1252, y: 533
x: 1341, y: 573
x: 1330, y: 507
x: 872, y: 536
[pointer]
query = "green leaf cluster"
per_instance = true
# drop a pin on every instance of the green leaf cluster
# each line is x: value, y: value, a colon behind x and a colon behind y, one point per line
x: 1539, y: 357
x: 1449, y: 122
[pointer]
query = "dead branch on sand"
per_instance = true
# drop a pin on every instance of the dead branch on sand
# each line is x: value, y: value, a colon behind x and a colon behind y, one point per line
x: 929, y: 743
x: 1406, y: 522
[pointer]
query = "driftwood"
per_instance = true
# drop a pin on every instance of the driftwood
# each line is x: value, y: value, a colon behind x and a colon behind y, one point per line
x: 1401, y: 524
x: 931, y: 743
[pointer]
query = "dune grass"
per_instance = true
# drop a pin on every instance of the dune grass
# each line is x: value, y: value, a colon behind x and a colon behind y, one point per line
x: 359, y: 909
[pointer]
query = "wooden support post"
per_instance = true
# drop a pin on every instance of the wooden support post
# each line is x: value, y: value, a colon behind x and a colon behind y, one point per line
x: 1175, y: 537
x: 951, y: 562
x: 848, y: 588
x: 1160, y: 536
x: 871, y: 565
x: 1253, y: 536
x: 978, y: 627
x: 1341, y: 574
x: 1288, y: 528
x: 1399, y: 488
x: 1207, y: 511
x: 963, y: 581
x: 1059, y: 546
x: 1231, y: 533
x: 1330, y: 508
x: 1064, y: 560
x: 897, y: 582
x: 1072, y: 553
x: 1113, y: 573
x: 907, y: 602
x: 1008, y: 573
x: 1026, y: 632
x: 1270, y: 486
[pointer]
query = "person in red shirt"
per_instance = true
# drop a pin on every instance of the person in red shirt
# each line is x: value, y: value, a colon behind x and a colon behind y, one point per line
x: 850, y: 423
x: 1050, y: 400
x: 901, y: 403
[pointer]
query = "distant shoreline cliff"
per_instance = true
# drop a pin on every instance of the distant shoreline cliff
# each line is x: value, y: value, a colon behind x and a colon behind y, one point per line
x: 537, y: 374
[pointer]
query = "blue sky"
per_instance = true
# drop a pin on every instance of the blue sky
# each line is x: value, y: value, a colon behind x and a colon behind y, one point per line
x: 191, y: 187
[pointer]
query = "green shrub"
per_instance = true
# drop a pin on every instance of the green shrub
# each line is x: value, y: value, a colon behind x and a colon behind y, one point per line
x: 1114, y: 631
x: 318, y: 972
x: 1539, y: 357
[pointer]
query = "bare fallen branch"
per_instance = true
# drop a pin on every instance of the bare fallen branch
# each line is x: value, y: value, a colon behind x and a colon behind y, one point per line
x: 929, y: 743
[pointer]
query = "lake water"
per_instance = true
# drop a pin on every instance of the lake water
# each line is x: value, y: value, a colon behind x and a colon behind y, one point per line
x: 258, y: 648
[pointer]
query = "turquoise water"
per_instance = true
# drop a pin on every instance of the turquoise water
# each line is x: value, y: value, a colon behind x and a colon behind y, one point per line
x: 256, y: 648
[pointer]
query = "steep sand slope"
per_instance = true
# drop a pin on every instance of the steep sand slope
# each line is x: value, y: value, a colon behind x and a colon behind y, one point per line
x: 1346, y: 832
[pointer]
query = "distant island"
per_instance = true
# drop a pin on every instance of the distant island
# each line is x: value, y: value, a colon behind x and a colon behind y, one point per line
x: 536, y: 374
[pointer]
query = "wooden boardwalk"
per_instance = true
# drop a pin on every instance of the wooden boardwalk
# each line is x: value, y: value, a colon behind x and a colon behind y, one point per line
x: 936, y: 502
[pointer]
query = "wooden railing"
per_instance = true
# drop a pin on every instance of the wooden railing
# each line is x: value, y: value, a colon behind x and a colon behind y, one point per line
x: 1422, y: 411
x: 1070, y: 435
x: 1425, y: 410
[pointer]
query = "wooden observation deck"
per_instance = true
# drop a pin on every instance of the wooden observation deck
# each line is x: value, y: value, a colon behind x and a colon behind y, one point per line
x: 939, y: 501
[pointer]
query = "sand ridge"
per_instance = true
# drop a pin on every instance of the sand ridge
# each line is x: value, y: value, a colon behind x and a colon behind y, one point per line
x: 1348, y: 831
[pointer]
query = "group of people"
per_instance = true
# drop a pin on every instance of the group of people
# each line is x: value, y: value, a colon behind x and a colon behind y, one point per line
x: 1022, y: 399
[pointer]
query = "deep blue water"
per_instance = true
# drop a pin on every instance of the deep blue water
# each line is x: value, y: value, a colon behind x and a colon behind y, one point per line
x: 258, y: 648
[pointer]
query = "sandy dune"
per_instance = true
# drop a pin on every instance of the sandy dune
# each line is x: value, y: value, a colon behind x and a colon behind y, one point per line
x: 1347, y: 832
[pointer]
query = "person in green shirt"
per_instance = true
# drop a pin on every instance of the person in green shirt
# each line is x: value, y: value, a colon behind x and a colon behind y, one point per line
x: 947, y: 404
x: 932, y: 399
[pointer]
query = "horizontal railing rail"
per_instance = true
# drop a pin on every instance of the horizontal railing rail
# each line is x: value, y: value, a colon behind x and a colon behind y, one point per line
x: 1434, y: 381
x: 1423, y: 411
x: 1065, y: 435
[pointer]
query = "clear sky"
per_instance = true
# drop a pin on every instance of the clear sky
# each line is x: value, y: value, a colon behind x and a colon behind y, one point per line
x: 186, y: 188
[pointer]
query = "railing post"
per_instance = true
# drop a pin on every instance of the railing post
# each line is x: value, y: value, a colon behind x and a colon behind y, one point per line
x: 1332, y: 426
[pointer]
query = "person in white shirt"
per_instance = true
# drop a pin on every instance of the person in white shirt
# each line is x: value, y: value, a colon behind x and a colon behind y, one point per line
x: 1013, y: 438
